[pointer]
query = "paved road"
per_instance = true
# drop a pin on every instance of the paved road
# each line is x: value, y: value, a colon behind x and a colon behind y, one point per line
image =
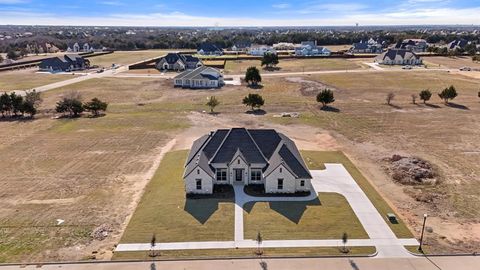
x: 417, y: 263
x: 81, y: 78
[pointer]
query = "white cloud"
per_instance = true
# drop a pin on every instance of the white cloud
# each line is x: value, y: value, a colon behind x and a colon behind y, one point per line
x: 399, y: 17
x: 13, y: 1
x: 281, y: 5
x: 112, y: 3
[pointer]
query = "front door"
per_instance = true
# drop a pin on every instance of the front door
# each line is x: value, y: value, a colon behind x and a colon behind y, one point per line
x: 238, y: 175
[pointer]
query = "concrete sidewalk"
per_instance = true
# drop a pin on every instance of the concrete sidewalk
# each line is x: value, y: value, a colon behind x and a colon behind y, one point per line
x: 265, y: 244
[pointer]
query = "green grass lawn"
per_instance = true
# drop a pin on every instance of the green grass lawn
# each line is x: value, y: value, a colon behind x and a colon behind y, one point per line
x: 165, y: 212
x: 315, y: 161
x: 414, y: 250
x: 243, y: 252
x: 326, y: 217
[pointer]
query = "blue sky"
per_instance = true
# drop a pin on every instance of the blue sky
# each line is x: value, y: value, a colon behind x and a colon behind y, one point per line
x: 239, y: 13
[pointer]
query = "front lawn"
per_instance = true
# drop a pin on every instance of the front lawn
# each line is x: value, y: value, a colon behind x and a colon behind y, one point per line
x: 326, y: 217
x: 165, y: 212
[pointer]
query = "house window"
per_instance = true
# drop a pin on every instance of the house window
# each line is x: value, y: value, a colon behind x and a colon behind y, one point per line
x: 199, y: 184
x: 281, y: 169
x: 198, y: 171
x: 280, y: 184
x: 302, y: 183
x: 221, y: 175
x: 238, y: 161
x: 256, y: 175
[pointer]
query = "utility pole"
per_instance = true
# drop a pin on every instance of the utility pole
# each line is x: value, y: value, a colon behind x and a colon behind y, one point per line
x: 423, y: 230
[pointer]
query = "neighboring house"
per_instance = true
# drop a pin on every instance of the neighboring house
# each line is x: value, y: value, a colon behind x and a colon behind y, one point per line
x: 261, y: 50
x: 284, y: 46
x: 370, y: 46
x: 76, y: 48
x: 240, y: 156
x: 398, y: 57
x: 200, y: 78
x: 66, y: 63
x: 457, y: 44
x: 50, y: 48
x: 414, y: 45
x: 209, y: 49
x: 241, y: 46
x: 310, y: 48
x: 178, y: 62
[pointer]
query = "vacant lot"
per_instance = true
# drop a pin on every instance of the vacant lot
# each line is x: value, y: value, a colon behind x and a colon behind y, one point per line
x: 451, y: 62
x: 87, y: 171
x: 165, y: 212
x: 326, y: 217
x: 446, y: 135
x: 28, y: 78
x: 126, y: 57
x: 293, y: 65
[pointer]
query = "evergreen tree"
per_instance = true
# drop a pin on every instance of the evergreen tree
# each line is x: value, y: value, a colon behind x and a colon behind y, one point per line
x: 255, y: 101
x: 325, y: 97
x: 95, y: 106
x: 252, y: 76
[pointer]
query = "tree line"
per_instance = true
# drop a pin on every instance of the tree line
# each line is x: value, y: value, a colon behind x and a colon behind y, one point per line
x: 71, y: 105
x: 15, y: 106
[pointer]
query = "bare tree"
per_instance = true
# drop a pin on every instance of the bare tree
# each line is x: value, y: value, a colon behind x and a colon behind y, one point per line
x: 153, y: 243
x: 259, y: 242
x: 390, y: 97
x: 414, y: 98
x: 344, y: 241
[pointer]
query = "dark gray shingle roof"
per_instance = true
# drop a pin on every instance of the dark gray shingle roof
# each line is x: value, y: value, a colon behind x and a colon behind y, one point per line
x: 263, y: 146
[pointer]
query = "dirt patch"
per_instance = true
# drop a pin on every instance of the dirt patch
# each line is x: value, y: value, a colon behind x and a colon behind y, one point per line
x: 310, y: 88
x: 101, y: 232
x: 305, y: 137
x: 411, y: 170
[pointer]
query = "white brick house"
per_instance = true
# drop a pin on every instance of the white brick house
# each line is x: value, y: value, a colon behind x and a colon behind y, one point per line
x: 246, y: 157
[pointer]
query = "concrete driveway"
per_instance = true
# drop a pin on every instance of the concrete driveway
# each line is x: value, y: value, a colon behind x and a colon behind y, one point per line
x: 337, y: 179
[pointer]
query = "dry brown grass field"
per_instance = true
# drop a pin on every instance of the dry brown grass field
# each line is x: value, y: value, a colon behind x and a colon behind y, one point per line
x: 451, y: 62
x: 28, y: 78
x: 127, y: 57
x: 91, y: 171
x: 293, y: 65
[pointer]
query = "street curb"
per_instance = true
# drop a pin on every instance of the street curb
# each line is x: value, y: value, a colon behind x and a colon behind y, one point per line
x: 191, y: 259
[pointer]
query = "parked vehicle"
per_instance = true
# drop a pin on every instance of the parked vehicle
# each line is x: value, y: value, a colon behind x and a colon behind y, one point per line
x: 407, y: 67
x: 465, y: 69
